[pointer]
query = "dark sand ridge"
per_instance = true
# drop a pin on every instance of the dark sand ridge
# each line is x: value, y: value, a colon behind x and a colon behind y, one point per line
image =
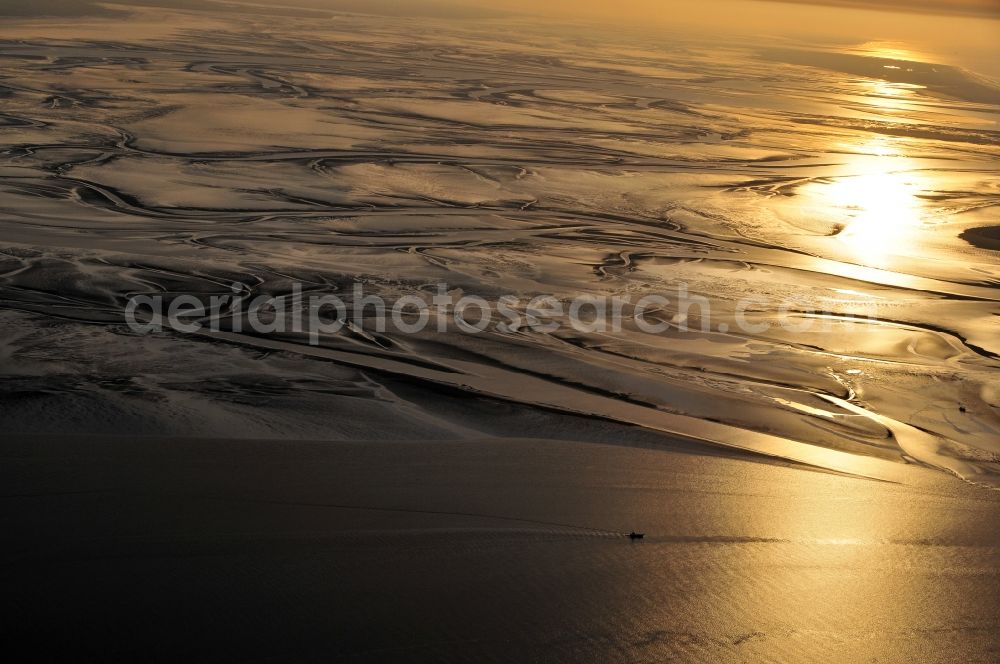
x: 937, y: 78
x: 985, y: 238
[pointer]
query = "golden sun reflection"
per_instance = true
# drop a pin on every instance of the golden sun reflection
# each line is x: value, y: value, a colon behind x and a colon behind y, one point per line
x: 880, y: 194
x: 889, y: 97
x: 891, y: 51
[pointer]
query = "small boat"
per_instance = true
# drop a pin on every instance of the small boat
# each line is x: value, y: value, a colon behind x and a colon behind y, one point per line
x: 634, y: 535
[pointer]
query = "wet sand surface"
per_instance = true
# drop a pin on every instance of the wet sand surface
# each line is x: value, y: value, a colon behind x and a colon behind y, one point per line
x: 485, y: 550
x: 843, y: 188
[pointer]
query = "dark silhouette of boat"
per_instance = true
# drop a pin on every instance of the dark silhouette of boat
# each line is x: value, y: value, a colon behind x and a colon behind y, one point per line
x: 634, y: 535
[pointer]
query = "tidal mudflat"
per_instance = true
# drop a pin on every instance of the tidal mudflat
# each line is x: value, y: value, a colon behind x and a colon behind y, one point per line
x: 819, y: 220
x: 198, y: 150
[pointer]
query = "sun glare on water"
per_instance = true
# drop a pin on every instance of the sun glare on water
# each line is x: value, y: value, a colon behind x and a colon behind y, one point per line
x: 880, y: 194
